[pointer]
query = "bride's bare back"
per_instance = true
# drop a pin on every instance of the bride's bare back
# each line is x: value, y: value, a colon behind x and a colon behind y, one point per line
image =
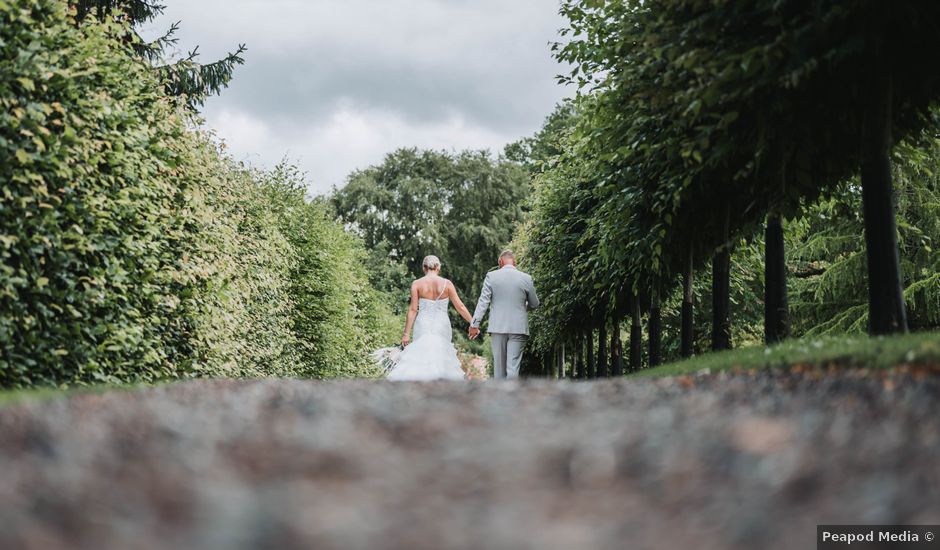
x: 432, y: 287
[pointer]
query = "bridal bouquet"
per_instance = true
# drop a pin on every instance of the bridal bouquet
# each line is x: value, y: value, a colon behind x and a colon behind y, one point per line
x: 387, y: 358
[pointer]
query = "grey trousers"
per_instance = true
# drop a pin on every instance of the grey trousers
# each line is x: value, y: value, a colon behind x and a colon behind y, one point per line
x: 507, y: 354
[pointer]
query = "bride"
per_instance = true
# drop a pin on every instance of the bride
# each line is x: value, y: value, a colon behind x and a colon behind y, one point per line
x: 431, y: 355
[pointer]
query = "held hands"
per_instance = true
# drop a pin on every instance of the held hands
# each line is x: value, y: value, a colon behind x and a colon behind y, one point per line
x: 473, y: 333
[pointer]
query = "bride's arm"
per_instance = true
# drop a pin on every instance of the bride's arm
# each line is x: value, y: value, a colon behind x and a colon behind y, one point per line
x: 458, y: 305
x: 412, y: 313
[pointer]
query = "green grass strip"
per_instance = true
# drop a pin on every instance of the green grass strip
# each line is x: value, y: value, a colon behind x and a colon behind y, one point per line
x: 854, y: 351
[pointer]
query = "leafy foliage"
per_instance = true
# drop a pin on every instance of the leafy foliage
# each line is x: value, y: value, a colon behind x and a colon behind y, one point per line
x: 338, y: 317
x: 132, y: 250
x: 539, y: 151
x: 236, y: 268
x: 828, y: 251
x: 697, y: 119
x: 88, y: 225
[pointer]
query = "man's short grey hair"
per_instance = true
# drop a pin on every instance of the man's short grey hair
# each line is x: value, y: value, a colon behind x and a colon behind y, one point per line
x: 507, y: 255
x: 431, y: 263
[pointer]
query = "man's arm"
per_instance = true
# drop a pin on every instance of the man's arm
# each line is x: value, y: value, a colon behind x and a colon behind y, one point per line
x: 531, y: 297
x: 482, y: 304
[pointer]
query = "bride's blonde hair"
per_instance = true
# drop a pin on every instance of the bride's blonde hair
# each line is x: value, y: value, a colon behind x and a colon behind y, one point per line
x: 431, y: 263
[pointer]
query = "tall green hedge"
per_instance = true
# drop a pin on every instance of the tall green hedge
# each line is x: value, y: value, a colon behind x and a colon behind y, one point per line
x: 339, y: 317
x: 132, y: 250
x: 236, y: 269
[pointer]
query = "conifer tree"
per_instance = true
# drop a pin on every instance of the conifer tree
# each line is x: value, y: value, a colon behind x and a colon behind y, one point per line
x: 184, y: 77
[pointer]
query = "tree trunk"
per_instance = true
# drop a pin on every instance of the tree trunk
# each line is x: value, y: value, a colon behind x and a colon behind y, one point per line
x: 579, y: 356
x: 721, y: 290
x: 776, y: 314
x: 688, y: 330
x: 655, y: 330
x: 590, y: 365
x: 561, y: 362
x: 602, y: 369
x: 616, y: 350
x: 573, y: 360
x: 636, y: 336
x: 886, y: 309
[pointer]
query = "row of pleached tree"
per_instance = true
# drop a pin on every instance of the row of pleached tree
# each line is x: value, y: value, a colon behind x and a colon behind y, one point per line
x: 700, y: 126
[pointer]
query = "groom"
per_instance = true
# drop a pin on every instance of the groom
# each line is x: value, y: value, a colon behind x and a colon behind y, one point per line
x: 511, y: 294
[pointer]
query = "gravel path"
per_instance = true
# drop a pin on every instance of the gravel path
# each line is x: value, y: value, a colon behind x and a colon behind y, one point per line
x: 720, y: 461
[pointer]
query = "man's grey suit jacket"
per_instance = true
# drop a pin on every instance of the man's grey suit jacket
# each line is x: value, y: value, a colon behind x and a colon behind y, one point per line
x: 510, y: 294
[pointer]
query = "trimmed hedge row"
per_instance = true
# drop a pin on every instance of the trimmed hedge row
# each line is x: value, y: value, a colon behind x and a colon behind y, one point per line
x: 131, y: 250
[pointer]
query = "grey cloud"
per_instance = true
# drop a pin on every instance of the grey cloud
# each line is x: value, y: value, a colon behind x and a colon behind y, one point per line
x: 426, y: 62
x: 505, y: 101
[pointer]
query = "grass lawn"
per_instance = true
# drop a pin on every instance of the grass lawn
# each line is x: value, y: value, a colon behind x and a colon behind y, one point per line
x: 856, y: 351
x: 9, y: 397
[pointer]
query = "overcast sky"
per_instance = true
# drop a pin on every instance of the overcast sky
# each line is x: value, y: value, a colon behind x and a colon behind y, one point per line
x: 335, y: 84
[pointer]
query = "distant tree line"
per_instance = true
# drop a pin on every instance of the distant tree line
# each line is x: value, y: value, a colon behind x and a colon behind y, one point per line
x: 462, y: 207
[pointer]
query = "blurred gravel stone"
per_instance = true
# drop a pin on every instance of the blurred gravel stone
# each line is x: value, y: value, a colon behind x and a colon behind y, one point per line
x: 710, y: 461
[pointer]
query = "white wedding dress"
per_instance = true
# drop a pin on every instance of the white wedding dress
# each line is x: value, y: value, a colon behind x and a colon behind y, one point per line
x: 431, y: 354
